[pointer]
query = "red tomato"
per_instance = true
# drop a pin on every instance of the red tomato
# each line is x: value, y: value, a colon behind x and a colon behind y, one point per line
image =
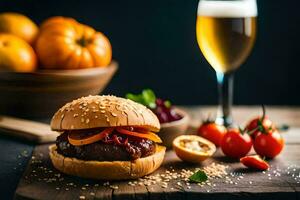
x: 268, y: 144
x: 213, y: 132
x: 253, y: 124
x: 235, y: 144
x: 254, y: 162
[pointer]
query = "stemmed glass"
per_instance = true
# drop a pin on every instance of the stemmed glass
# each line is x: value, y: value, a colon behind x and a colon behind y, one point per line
x: 226, y: 32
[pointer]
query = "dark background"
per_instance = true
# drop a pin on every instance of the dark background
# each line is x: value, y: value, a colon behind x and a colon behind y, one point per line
x: 155, y: 45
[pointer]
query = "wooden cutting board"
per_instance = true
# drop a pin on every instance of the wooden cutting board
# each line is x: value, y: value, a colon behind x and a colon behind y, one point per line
x: 41, y: 181
x: 27, y: 130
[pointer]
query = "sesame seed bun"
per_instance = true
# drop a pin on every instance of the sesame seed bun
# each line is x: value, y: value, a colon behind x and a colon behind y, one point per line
x: 106, y: 170
x: 103, y: 111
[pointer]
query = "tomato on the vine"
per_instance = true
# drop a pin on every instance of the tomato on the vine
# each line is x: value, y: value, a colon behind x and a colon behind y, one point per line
x: 212, y: 131
x: 236, y: 144
x: 268, y: 143
x: 253, y: 125
x: 259, y: 123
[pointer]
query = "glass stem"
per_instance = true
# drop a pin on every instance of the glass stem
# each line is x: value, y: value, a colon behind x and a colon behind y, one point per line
x: 225, y: 86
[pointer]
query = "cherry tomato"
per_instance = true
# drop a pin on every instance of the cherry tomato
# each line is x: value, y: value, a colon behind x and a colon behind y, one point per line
x: 268, y: 144
x: 213, y: 132
x: 253, y: 125
x: 235, y: 144
x: 254, y: 162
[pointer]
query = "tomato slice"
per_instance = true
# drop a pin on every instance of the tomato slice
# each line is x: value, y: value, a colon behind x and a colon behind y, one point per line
x: 76, y: 140
x: 255, y: 162
x: 148, y: 135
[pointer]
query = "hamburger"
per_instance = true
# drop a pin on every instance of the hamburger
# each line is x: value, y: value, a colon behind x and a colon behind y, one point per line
x: 106, y: 137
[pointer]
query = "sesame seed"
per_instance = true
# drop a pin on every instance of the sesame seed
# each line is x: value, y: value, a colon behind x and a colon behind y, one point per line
x: 75, y: 115
x: 81, y: 197
x: 87, y: 121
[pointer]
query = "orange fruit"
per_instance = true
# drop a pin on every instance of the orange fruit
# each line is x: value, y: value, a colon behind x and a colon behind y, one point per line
x: 193, y: 148
x: 19, y: 25
x: 16, y: 54
x: 64, y: 43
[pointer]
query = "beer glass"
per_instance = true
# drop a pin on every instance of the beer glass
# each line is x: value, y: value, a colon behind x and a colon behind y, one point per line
x: 226, y: 32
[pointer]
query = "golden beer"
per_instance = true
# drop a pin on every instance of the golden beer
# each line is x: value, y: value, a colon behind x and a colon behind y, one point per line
x: 225, y: 38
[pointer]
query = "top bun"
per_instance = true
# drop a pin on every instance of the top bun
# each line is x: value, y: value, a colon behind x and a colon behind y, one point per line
x: 103, y: 111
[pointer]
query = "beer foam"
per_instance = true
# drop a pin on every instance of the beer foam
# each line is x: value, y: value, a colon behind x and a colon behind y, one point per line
x: 229, y: 9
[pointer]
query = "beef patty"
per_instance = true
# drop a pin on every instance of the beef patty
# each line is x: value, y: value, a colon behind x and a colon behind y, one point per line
x: 114, y: 147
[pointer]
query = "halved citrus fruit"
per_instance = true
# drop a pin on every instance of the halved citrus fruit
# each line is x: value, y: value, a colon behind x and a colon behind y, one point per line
x: 193, y: 148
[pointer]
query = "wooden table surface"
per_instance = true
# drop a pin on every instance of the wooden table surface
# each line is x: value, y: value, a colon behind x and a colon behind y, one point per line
x: 42, y: 181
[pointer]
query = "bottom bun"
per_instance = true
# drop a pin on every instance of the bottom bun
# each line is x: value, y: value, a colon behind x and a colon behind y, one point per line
x: 106, y: 170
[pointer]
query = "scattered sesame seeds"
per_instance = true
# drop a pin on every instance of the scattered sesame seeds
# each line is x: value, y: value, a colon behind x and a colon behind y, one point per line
x: 81, y: 197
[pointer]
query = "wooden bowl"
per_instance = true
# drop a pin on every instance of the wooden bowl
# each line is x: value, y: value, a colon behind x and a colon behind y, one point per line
x: 169, y: 131
x: 39, y: 94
